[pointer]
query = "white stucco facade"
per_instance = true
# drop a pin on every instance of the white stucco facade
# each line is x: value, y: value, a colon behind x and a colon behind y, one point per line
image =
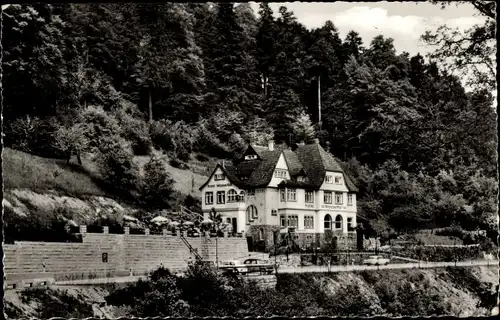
x: 304, y: 209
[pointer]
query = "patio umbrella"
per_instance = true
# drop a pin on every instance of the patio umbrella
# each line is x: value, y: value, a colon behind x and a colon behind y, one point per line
x: 160, y: 219
x: 207, y: 221
x: 174, y: 223
x: 188, y: 223
x: 72, y: 223
x: 129, y: 218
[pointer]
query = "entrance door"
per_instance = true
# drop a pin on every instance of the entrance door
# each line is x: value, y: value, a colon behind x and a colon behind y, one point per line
x: 235, y: 225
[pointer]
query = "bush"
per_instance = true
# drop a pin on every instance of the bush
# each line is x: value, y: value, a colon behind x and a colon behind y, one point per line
x: 176, y: 138
x: 99, y: 125
x: 33, y: 135
x: 447, y: 254
x: 160, y: 135
x: 176, y: 163
x: 207, y: 142
x: 159, y: 296
x: 157, y: 186
x: 201, y: 158
x: 136, y: 131
x: 116, y: 165
x: 112, y: 223
x: 53, y: 303
x: 72, y: 140
x: 34, y: 228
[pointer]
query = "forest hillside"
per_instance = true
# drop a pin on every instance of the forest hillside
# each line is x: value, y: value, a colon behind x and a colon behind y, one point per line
x: 145, y: 98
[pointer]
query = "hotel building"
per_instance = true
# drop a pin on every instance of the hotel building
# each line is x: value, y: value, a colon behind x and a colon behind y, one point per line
x: 304, y: 192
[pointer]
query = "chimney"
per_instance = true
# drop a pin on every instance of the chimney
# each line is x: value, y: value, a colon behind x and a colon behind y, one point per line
x: 316, y: 141
x: 223, y: 164
x: 270, y: 144
x: 301, y: 143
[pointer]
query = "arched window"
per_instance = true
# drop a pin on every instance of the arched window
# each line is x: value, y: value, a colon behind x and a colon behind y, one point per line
x: 242, y: 196
x: 328, y: 222
x: 261, y: 234
x: 251, y: 213
x: 232, y: 196
x: 338, y: 222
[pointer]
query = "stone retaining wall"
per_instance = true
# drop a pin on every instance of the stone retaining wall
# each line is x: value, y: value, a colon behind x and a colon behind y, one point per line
x: 126, y: 253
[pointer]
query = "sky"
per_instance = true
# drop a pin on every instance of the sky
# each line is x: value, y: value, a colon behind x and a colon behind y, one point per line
x: 403, y: 21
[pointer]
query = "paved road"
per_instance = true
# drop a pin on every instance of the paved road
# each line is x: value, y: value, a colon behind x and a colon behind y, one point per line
x: 389, y: 266
x: 308, y: 269
x: 129, y: 279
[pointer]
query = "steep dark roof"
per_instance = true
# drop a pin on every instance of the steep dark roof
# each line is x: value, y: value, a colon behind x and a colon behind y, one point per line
x: 231, y: 173
x: 294, y: 166
x: 316, y: 161
x: 311, y: 160
x: 263, y: 173
x: 259, y: 149
x: 350, y: 185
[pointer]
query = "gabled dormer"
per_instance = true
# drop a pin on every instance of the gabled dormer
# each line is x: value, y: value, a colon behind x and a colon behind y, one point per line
x: 300, y: 176
x: 250, y: 154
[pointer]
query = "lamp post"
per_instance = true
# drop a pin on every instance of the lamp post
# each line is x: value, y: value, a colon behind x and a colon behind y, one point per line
x: 276, y: 232
x: 216, y: 250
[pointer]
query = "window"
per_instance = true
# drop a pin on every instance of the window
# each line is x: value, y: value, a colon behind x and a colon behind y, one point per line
x: 349, y: 199
x: 309, y: 197
x: 350, y: 225
x: 338, y: 222
x: 300, y: 179
x: 282, y: 195
x: 250, y: 157
x: 338, y: 180
x: 251, y: 213
x: 329, y: 179
x: 228, y: 220
x: 209, y: 197
x: 242, y: 196
x: 328, y: 222
x: 280, y: 173
x: 261, y: 234
x: 327, y: 197
x: 251, y: 192
x: 282, y: 221
x: 219, y: 177
x: 338, y: 198
x: 308, y: 222
x: 221, y: 197
x: 293, y: 221
x: 292, y: 195
x: 249, y: 217
x: 232, y: 196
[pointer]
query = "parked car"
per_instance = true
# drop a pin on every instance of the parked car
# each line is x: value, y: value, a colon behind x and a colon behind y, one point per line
x: 376, y: 261
x: 258, y: 265
x: 233, y: 266
x: 193, y: 233
x: 209, y: 263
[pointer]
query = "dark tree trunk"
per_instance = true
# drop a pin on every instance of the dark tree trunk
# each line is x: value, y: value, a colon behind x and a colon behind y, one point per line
x: 150, y: 107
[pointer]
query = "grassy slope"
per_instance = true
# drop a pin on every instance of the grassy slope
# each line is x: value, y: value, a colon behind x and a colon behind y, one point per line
x: 23, y: 170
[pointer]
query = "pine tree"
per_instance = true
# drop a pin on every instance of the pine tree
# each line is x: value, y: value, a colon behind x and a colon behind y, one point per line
x: 303, y: 128
x: 265, y: 38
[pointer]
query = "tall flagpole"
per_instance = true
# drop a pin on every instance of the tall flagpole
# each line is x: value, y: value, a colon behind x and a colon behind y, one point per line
x: 319, y: 102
